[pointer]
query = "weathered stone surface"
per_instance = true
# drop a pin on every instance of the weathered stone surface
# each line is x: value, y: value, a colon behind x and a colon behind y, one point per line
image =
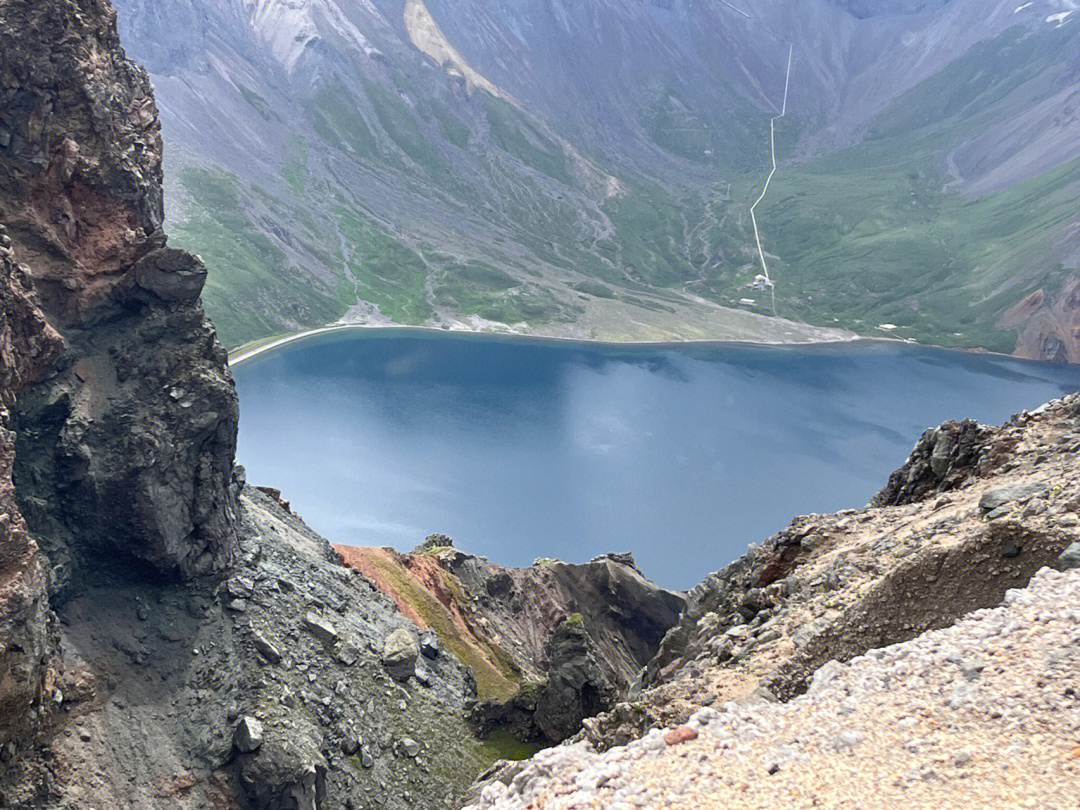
x: 399, y: 654
x: 287, y: 772
x: 429, y: 646
x: 171, y: 274
x: 579, y: 685
x: 320, y: 628
x: 943, y: 458
x: 268, y: 650
x: 1070, y: 558
x: 248, y: 736
x: 129, y: 446
x: 1020, y: 492
x: 27, y: 636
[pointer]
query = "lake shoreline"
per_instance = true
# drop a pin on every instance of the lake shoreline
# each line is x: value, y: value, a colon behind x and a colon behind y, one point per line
x: 525, y: 449
x: 246, y: 352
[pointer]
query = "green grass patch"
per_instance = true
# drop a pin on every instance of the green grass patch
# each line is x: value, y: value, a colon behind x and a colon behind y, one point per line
x: 387, y: 273
x: 294, y: 167
x: 334, y: 113
x: 502, y: 745
x: 514, y: 133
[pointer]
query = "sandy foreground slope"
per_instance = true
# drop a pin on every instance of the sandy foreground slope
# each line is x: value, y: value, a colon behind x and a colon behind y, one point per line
x: 983, y: 714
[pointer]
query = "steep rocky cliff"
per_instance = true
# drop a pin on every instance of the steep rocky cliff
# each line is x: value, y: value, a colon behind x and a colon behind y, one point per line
x: 128, y: 446
x: 27, y: 635
x: 551, y: 644
x: 178, y: 640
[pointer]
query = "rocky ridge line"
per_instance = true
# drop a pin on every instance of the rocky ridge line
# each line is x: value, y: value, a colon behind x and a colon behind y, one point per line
x: 976, y: 510
x: 983, y: 714
x: 551, y: 644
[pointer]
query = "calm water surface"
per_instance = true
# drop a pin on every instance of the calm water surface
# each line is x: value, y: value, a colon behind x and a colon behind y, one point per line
x: 521, y: 448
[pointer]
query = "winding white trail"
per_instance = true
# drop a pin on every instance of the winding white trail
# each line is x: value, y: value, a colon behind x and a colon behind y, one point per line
x: 765, y: 189
x: 735, y: 8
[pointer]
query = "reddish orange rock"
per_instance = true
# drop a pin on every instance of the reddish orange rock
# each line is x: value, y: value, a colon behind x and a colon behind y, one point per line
x: 679, y: 735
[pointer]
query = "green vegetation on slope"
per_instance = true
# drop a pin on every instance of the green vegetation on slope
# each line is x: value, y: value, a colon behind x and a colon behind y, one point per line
x: 245, y: 266
x: 873, y: 235
x: 513, y: 132
x: 386, y: 272
x: 501, y: 744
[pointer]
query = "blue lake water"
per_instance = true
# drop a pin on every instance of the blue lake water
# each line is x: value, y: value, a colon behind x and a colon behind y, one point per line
x: 522, y: 448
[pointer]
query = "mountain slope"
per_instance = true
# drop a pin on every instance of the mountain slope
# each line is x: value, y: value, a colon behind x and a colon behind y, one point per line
x: 587, y: 169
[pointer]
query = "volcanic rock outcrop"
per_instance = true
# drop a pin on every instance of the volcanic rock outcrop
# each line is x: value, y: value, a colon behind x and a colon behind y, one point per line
x: 128, y: 446
x: 179, y: 639
x: 974, y: 511
x: 551, y: 644
x: 27, y: 635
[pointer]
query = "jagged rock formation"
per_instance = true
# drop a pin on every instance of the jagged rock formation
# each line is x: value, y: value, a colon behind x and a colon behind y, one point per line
x: 1052, y: 328
x: 27, y: 635
x: 550, y: 644
x: 944, y: 458
x: 129, y: 445
x: 210, y: 649
x: 975, y: 511
x: 981, y: 714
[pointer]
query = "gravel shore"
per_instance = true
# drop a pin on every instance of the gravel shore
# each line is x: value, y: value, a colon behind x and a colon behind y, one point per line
x: 984, y: 714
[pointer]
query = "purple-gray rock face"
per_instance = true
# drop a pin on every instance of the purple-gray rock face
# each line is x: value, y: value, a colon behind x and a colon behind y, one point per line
x: 129, y: 446
x: 27, y: 637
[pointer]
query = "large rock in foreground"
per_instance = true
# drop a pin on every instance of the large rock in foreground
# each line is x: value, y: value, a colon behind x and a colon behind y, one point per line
x: 916, y: 725
x: 128, y: 446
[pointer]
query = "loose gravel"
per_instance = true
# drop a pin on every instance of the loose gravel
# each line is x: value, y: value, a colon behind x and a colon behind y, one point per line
x: 984, y: 714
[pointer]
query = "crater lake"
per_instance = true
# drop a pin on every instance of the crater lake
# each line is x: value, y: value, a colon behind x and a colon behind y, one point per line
x: 522, y: 448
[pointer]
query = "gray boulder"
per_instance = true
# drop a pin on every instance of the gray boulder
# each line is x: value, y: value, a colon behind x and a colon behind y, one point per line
x: 171, y: 274
x: 1070, y: 558
x: 248, y: 736
x: 1013, y: 493
x: 320, y: 628
x: 400, y: 651
x: 286, y: 773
